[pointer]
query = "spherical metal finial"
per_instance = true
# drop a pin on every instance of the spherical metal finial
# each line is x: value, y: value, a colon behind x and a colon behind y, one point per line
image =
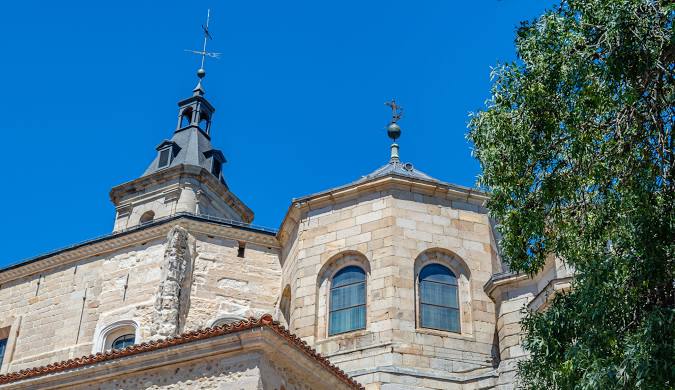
x: 201, y: 73
x: 394, y: 131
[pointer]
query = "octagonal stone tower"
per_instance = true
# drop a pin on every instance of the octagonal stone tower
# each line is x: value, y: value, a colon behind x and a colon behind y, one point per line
x: 391, y: 224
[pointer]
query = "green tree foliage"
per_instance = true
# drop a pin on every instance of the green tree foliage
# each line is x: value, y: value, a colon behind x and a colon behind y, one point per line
x: 576, y: 147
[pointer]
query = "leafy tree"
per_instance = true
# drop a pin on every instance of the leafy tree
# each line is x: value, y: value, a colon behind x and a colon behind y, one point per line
x: 576, y: 147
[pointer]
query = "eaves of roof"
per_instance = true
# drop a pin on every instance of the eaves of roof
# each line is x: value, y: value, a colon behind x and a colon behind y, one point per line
x: 265, y: 321
x: 266, y: 235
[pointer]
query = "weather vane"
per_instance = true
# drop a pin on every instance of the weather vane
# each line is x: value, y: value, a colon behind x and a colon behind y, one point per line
x: 201, y: 72
x: 396, y: 110
x: 393, y: 130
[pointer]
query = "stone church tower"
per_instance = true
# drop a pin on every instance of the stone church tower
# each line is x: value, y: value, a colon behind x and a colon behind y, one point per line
x: 185, y: 176
x: 393, y: 281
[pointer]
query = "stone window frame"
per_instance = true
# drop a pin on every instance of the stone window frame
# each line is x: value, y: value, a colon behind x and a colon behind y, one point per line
x: 107, y: 334
x: 5, y: 334
x: 225, y: 319
x: 324, y: 282
x: 154, y: 205
x: 9, y: 329
x: 458, y: 266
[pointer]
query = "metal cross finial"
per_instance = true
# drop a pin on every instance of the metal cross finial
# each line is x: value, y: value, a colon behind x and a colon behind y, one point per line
x: 203, y: 52
x: 396, y: 110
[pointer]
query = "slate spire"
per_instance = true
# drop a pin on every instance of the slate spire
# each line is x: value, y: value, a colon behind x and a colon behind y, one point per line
x: 191, y: 141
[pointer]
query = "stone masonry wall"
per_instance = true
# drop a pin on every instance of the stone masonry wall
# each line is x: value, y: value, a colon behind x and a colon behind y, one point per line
x: 61, y: 313
x: 226, y: 285
x: 389, y: 231
x: 56, y: 313
x: 513, y: 299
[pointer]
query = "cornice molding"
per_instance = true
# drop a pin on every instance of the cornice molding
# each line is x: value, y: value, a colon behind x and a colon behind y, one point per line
x: 497, y: 281
x: 178, y: 172
x: 341, y: 194
x: 157, y: 229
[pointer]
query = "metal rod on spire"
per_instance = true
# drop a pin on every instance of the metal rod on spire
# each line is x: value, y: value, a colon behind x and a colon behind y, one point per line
x: 203, y: 53
x: 394, y: 130
x: 207, y: 36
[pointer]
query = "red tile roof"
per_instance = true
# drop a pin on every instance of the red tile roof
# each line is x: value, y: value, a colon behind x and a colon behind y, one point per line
x: 265, y: 321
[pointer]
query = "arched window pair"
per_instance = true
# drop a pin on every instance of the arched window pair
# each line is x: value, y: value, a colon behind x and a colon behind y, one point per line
x: 438, y: 299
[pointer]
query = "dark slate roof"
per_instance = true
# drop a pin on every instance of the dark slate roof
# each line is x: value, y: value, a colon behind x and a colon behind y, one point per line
x: 194, y: 147
x: 397, y: 168
x: 393, y: 168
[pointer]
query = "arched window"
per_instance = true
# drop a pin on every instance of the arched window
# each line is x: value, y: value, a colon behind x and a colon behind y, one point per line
x: 123, y: 341
x: 347, y: 301
x: 147, y: 216
x: 439, y: 303
x: 117, y: 335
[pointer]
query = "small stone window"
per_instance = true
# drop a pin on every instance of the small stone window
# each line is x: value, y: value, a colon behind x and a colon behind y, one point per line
x: 347, y: 301
x: 147, y: 216
x: 123, y: 341
x: 438, y: 297
x: 117, y: 335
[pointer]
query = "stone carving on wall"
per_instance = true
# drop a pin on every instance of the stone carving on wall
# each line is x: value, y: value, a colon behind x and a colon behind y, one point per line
x: 172, y: 297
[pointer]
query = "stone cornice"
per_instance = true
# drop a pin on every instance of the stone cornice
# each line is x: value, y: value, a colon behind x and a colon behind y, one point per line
x: 482, y: 374
x: 500, y: 280
x: 553, y: 287
x: 200, y: 174
x: 135, y: 236
x: 340, y: 194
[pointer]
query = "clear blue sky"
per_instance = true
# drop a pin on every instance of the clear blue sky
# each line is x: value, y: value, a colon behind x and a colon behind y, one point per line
x: 89, y: 88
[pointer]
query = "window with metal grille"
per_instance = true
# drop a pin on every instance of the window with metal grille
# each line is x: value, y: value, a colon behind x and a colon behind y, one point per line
x: 439, y: 303
x: 347, y: 301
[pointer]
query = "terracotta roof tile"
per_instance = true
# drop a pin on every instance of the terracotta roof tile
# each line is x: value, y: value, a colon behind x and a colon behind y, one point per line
x: 265, y: 321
